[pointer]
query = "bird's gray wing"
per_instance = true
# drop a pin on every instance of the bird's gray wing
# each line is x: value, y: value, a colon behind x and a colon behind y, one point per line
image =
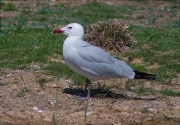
x: 95, y: 54
x: 95, y: 61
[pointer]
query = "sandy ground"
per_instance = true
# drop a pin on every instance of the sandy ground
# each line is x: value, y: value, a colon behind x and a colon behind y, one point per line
x: 55, y: 98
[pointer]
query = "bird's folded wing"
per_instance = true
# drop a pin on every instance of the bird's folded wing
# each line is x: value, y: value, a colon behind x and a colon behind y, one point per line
x: 92, y: 53
x: 95, y: 60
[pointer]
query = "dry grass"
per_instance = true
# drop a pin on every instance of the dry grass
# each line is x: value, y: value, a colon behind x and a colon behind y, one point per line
x: 110, y: 35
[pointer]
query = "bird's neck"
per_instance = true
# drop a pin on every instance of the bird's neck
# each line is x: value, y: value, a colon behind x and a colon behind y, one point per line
x: 74, y: 38
x: 72, y: 41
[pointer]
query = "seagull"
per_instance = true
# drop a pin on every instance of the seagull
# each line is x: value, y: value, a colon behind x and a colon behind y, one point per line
x: 92, y: 61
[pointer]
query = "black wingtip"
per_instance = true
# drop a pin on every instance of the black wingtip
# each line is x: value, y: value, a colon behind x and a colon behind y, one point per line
x: 142, y: 75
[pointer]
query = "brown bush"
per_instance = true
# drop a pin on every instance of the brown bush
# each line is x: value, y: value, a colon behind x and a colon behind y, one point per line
x: 110, y: 35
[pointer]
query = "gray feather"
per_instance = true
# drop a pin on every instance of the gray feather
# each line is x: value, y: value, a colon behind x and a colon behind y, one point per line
x: 95, y: 54
x: 94, y: 62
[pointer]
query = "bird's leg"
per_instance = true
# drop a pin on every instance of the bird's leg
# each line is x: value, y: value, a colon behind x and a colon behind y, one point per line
x: 87, y: 87
x: 88, y: 84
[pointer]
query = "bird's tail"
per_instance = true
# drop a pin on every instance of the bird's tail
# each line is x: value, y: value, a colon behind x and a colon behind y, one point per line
x: 142, y: 75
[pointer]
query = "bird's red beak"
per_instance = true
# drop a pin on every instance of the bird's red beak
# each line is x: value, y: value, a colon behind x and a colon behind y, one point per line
x: 58, y: 31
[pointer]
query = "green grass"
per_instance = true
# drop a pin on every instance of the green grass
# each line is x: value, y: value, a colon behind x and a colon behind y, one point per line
x: 54, y: 120
x: 165, y: 92
x: 23, y: 91
x: 3, y: 83
x: 9, y: 6
x: 143, y: 91
x: 31, y: 45
x: 63, y: 14
x: 43, y: 81
x: 63, y: 71
x: 169, y: 92
x: 1, y: 3
x: 28, y: 38
x: 45, y: 10
x: 95, y: 11
x: 172, y: 10
x: 159, y: 46
x: 145, y: 110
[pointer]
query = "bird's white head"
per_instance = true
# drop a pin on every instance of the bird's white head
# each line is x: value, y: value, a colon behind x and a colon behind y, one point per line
x: 72, y: 29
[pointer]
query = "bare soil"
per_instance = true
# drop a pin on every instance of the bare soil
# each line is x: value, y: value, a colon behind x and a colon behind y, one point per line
x: 69, y: 110
x: 39, y: 104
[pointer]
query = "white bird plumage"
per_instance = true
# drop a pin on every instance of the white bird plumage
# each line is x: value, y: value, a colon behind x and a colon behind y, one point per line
x: 91, y: 61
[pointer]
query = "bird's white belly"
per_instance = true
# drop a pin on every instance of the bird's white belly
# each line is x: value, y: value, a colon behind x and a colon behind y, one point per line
x: 79, y: 70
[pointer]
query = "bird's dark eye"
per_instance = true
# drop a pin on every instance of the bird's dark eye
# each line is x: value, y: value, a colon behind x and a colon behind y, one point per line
x: 70, y: 27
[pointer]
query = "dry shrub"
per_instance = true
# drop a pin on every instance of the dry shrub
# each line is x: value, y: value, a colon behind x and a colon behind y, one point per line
x: 110, y: 35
